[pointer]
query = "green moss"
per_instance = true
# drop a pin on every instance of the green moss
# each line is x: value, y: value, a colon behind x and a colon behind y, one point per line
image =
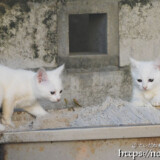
x: 11, y: 3
x: 19, y: 19
x: 51, y: 37
x: 36, y: 50
x: 2, y: 9
x: 133, y: 3
x: 12, y: 24
x: 34, y: 32
x: 48, y: 17
x: 48, y: 58
x: 4, y: 29
x: 23, y: 4
x: 25, y: 7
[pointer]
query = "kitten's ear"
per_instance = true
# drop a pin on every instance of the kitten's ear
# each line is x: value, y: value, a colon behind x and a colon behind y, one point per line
x: 157, y: 64
x: 42, y: 75
x: 59, y: 70
x: 133, y: 62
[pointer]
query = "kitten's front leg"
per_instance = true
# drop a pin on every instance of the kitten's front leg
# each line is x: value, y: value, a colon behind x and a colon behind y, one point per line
x: 36, y: 110
x: 139, y: 100
x: 7, y: 111
x: 156, y: 101
x: 139, y: 103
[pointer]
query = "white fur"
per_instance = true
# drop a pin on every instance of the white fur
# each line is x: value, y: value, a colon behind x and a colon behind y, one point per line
x: 21, y: 88
x: 145, y: 93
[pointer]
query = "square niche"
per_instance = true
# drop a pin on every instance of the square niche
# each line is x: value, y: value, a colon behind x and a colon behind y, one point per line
x: 87, y: 34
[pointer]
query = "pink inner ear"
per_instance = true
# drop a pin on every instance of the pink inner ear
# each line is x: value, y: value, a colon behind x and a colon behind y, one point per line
x: 39, y: 77
x: 42, y: 76
x: 158, y: 66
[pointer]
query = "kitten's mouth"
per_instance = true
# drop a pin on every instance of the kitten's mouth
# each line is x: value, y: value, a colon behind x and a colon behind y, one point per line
x: 145, y: 89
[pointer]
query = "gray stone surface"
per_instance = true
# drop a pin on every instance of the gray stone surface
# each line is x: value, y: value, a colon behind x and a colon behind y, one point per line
x: 34, y: 34
x: 91, y: 87
x: 139, y: 30
x: 28, y: 34
x: 89, y: 7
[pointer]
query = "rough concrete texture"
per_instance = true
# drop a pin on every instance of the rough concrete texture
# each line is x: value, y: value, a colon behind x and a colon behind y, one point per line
x: 29, y: 36
x: 29, y: 39
x: 91, y: 88
x: 112, y: 112
x: 139, y: 30
x: 114, y: 149
x: 28, y: 33
x: 89, y: 59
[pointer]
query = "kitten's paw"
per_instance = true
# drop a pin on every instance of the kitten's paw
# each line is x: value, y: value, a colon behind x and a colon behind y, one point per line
x: 140, y: 104
x: 8, y: 123
x: 155, y: 102
x: 42, y: 113
x: 137, y: 104
x: 147, y: 105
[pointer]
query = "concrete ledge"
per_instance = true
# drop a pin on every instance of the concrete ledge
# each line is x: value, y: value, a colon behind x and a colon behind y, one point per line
x: 88, y: 61
x: 75, y: 134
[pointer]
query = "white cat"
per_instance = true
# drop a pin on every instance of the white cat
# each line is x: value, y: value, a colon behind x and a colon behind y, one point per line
x: 21, y: 88
x: 146, y: 83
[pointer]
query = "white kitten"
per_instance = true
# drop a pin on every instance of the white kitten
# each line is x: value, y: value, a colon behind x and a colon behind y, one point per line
x: 146, y: 83
x: 21, y: 89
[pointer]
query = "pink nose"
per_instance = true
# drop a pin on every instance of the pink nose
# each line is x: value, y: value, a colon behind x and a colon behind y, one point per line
x: 58, y: 100
x: 145, y: 88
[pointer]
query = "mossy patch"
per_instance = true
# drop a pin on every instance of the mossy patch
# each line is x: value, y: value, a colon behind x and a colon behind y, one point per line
x: 48, y: 58
x: 2, y: 9
x: 48, y: 17
x: 12, y: 24
x: 133, y: 3
x: 23, y: 4
x: 34, y: 45
x: 36, y: 50
x: 51, y: 37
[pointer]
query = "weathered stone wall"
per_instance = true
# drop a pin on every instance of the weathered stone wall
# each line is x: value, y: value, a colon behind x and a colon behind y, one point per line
x: 139, y: 30
x: 29, y: 39
x: 92, y: 88
x: 28, y: 33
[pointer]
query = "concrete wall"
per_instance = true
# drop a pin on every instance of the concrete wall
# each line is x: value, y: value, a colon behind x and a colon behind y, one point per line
x: 28, y: 33
x: 29, y: 39
x: 84, y: 150
x: 139, y: 30
x: 92, y: 87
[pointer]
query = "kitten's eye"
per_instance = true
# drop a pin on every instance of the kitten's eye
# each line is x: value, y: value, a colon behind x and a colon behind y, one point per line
x: 60, y: 91
x: 139, y: 80
x: 52, y: 92
x: 150, y: 80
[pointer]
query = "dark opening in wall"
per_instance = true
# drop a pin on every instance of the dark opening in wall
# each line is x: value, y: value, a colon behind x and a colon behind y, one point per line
x: 87, y: 34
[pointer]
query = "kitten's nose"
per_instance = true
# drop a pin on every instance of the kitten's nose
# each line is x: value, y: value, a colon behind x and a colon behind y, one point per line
x: 145, y: 88
x: 58, y: 99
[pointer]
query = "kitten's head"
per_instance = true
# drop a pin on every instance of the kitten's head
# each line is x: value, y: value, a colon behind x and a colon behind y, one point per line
x: 49, y: 84
x: 146, y: 75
